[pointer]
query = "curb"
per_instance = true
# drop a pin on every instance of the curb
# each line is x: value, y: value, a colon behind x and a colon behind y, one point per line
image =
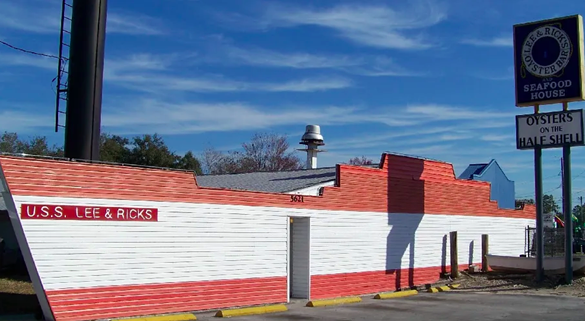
x: 173, y: 317
x: 338, y: 301
x: 398, y: 294
x: 443, y: 288
x: 249, y: 311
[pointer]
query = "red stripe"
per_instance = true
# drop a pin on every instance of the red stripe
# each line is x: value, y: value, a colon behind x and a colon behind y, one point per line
x: 402, y: 185
x: 136, y: 300
x: 346, y: 284
x: 133, y: 300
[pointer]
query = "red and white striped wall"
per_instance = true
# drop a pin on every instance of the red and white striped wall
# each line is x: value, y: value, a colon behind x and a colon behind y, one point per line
x: 104, y: 241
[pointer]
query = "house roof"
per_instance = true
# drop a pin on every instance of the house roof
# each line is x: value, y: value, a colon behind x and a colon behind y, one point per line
x: 274, y: 182
x: 480, y: 169
x: 473, y: 169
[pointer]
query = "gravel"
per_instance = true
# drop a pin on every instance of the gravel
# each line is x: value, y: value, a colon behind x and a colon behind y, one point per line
x: 518, y: 283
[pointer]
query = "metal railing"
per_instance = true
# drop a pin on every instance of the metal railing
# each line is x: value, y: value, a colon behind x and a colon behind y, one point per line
x: 554, y: 242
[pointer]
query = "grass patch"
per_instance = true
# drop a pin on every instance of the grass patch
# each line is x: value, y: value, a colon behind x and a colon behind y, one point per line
x: 17, y: 294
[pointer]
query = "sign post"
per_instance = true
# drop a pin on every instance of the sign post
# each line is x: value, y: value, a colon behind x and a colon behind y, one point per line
x: 567, y: 209
x: 549, y: 69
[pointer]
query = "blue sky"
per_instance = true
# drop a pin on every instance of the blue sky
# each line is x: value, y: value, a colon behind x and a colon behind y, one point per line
x: 427, y: 78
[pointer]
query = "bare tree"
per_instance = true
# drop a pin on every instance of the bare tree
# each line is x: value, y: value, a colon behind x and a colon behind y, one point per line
x: 360, y: 161
x: 265, y: 152
x: 216, y: 162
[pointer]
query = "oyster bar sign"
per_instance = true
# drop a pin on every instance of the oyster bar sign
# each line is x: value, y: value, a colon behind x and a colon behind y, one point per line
x: 549, y: 130
x: 548, y: 58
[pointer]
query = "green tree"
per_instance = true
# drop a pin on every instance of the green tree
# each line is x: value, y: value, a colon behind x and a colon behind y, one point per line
x: 9, y: 143
x: 579, y: 212
x: 521, y: 202
x: 549, y: 205
x: 37, y: 145
x: 190, y: 162
x: 149, y: 150
x: 114, y: 149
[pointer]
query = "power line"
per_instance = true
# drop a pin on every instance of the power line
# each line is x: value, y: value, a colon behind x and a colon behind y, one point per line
x: 28, y: 51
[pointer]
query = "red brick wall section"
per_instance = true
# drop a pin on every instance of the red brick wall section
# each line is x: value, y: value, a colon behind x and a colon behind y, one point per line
x: 401, y: 185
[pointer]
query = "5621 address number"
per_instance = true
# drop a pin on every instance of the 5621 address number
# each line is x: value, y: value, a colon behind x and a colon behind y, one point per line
x: 297, y: 198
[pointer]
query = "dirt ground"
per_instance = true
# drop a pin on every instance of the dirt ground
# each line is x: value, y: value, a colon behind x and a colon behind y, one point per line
x: 519, y: 283
x: 17, y: 294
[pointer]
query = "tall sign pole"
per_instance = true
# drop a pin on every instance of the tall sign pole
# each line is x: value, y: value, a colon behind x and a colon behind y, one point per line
x: 549, y: 69
x: 539, y: 209
x: 86, y: 68
x: 567, y: 209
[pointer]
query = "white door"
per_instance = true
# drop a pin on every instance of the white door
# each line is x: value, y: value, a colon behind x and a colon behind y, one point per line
x: 300, y: 254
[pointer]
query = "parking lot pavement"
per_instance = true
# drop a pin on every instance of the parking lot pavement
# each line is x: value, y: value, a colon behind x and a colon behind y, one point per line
x: 452, y: 306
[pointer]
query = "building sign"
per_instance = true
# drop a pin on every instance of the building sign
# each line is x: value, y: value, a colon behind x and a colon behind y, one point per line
x: 548, y: 220
x: 549, y: 130
x: 548, y: 61
x: 87, y: 213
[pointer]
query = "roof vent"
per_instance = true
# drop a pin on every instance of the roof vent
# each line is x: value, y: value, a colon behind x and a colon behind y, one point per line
x: 313, y: 139
x: 312, y: 135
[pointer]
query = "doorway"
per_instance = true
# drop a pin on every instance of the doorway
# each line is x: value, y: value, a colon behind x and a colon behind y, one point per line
x: 299, y: 257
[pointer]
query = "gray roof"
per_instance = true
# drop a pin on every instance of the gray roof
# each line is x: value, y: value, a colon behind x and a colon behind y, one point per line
x: 274, y: 182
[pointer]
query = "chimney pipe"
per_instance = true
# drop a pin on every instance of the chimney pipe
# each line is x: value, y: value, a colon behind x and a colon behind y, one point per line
x: 313, y: 139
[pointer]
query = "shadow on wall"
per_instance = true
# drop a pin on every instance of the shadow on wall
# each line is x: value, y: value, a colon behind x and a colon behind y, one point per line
x: 406, y: 207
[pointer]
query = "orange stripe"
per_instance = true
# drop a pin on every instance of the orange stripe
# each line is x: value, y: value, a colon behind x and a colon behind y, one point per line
x: 402, y: 185
x: 123, y: 301
x: 135, y: 300
x: 346, y: 284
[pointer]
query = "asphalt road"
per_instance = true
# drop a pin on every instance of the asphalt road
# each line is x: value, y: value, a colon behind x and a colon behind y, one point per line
x: 452, y: 306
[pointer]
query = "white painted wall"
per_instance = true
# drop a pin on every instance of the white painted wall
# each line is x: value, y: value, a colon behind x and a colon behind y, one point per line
x: 312, y: 190
x: 195, y: 242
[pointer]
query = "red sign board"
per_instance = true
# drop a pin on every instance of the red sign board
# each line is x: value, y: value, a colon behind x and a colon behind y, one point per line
x: 87, y: 213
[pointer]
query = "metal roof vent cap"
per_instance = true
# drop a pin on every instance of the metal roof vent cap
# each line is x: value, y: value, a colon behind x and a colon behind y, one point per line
x: 312, y: 135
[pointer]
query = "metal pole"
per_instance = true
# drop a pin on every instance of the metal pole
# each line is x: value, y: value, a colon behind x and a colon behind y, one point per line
x: 86, y: 64
x: 539, y: 207
x: 567, y: 210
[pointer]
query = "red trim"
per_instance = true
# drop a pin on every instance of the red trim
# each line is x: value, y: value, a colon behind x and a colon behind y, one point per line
x: 401, y: 185
x: 134, y: 300
x: 346, y: 284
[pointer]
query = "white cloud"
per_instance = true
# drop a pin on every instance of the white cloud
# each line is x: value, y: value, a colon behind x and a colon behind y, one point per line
x: 44, y: 17
x: 297, y: 60
x: 158, y: 83
x: 23, y: 59
x: 497, y: 138
x: 182, y: 118
x: 134, y: 24
x: 359, y: 65
x: 23, y: 122
x: 35, y: 16
x: 413, y: 125
x: 369, y: 25
x: 439, y: 112
x: 501, y: 41
x: 154, y: 74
